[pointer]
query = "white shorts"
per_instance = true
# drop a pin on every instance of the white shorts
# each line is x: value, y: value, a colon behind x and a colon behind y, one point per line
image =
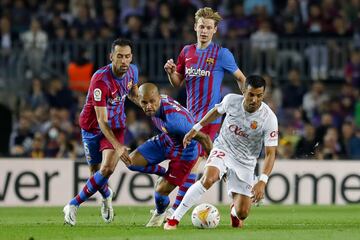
x: 217, y: 158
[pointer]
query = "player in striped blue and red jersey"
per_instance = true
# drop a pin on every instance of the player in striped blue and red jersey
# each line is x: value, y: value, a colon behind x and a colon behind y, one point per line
x: 201, y: 67
x: 173, y: 121
x: 102, y: 123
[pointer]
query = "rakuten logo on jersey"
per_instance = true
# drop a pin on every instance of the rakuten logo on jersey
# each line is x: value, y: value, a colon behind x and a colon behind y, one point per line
x: 196, y: 72
x: 237, y: 130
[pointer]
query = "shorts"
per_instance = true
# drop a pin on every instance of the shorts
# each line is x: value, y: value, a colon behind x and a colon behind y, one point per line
x: 217, y: 159
x: 211, y: 130
x: 95, y: 143
x: 156, y: 151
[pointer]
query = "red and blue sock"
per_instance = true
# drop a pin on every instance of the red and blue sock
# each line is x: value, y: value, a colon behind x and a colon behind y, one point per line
x: 183, y: 189
x: 93, y: 184
x: 152, y: 169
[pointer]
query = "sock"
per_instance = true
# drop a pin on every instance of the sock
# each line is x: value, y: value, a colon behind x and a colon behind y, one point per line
x: 93, y: 184
x: 233, y: 212
x: 104, y: 190
x: 152, y: 169
x: 183, y: 189
x: 161, y: 202
x: 193, y: 195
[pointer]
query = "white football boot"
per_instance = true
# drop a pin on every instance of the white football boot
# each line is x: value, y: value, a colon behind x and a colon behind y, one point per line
x: 156, y: 219
x: 107, y: 211
x: 70, y: 214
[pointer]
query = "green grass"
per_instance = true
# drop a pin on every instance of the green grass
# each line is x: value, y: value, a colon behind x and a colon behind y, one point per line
x: 266, y: 222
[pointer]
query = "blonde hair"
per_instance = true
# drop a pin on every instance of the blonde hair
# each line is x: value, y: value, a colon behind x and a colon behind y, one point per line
x: 208, y: 13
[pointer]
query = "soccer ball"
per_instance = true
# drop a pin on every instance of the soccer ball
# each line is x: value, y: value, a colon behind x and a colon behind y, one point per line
x: 205, y: 216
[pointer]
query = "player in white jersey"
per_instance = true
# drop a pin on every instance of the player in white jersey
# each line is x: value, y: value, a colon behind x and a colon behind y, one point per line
x: 249, y: 124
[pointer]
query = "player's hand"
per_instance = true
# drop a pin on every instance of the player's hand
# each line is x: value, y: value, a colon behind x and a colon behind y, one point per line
x: 188, y: 137
x: 170, y: 66
x: 258, y: 191
x: 123, y: 155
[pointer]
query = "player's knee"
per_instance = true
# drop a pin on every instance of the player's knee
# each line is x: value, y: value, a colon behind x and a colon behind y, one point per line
x: 242, y: 212
x: 106, y: 171
x: 208, y: 181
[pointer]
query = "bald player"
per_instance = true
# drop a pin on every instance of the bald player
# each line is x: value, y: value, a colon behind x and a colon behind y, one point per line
x: 173, y: 121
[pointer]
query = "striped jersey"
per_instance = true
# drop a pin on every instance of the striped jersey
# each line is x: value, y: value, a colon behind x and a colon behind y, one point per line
x: 174, y: 121
x: 107, y: 90
x: 243, y: 134
x: 203, y: 70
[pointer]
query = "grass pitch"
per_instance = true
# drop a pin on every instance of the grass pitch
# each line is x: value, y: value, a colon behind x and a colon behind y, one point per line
x: 265, y: 222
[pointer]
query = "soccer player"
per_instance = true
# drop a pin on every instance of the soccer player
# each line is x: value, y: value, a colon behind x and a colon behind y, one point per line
x: 173, y: 121
x: 248, y: 124
x: 102, y: 123
x: 201, y: 67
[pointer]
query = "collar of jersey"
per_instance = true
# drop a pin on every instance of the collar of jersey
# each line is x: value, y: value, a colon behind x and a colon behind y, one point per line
x: 204, y: 49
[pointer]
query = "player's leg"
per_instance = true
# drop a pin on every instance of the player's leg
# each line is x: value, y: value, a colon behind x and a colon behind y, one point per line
x: 239, y: 210
x: 93, y: 157
x: 140, y: 164
x: 211, y: 130
x: 214, y: 170
x: 240, y: 192
x: 162, y: 201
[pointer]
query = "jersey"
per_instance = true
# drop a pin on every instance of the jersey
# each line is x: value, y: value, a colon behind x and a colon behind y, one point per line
x: 174, y: 121
x: 107, y: 90
x: 203, y: 70
x: 243, y: 134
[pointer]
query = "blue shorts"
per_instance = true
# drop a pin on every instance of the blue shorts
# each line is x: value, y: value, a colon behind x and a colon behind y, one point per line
x: 91, y: 142
x: 157, y: 149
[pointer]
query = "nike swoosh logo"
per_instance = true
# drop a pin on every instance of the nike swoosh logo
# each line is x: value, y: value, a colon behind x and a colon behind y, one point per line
x: 172, y: 176
x: 113, y: 92
x: 187, y: 59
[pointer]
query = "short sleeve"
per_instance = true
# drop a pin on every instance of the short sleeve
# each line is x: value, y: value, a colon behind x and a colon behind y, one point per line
x: 136, y: 75
x: 228, y: 61
x: 271, y: 132
x: 180, y: 63
x: 222, y: 107
x: 178, y: 124
x: 99, y: 93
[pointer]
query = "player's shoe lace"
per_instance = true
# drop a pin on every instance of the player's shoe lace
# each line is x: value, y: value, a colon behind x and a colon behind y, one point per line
x: 156, y: 219
x: 235, y: 221
x: 70, y: 214
x: 107, y: 211
x: 171, y: 224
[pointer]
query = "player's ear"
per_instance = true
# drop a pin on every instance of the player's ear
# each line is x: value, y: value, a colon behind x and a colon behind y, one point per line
x: 215, y: 29
x: 195, y: 27
x: 110, y: 57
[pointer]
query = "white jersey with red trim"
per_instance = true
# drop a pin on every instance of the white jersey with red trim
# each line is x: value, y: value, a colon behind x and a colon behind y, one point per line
x: 243, y: 134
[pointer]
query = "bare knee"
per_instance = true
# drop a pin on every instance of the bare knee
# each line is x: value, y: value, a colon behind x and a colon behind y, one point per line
x: 163, y: 187
x: 242, y: 212
x: 208, y: 181
x: 106, y: 171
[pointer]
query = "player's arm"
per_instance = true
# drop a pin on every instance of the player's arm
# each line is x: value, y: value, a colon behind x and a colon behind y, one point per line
x: 205, y: 141
x: 176, y: 79
x: 240, y: 79
x: 121, y: 150
x: 259, y: 187
x: 212, y: 115
x: 134, y: 95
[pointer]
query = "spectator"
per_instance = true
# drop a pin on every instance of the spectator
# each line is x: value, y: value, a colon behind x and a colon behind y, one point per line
x: 263, y: 45
x: 294, y: 87
x: 35, y: 42
x: 305, y: 148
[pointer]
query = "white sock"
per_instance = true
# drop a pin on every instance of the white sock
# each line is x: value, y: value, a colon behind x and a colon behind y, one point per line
x: 192, y: 195
x: 233, y: 212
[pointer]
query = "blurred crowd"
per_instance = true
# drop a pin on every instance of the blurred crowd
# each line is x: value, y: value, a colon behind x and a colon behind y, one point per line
x: 317, y: 121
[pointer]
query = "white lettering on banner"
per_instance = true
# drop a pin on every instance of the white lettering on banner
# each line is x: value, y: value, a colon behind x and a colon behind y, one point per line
x: 54, y: 182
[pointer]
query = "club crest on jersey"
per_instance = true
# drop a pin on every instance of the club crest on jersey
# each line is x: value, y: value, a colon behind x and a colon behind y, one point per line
x: 130, y: 84
x: 253, y: 125
x: 210, y: 61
